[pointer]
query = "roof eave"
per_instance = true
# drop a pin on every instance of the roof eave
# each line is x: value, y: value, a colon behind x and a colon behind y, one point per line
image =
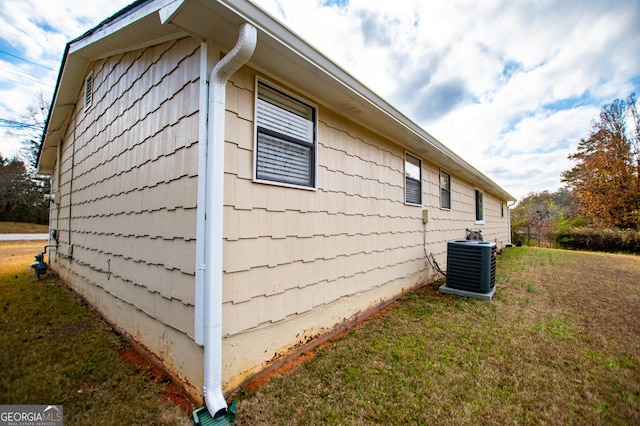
x: 280, y: 53
x: 350, y: 97
x: 120, y: 33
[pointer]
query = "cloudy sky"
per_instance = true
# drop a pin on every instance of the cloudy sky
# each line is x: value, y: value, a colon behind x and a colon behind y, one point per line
x: 511, y: 86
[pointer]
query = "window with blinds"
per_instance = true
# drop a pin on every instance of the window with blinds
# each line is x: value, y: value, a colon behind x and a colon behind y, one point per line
x: 479, y: 207
x: 445, y: 190
x: 413, y: 179
x: 285, y: 142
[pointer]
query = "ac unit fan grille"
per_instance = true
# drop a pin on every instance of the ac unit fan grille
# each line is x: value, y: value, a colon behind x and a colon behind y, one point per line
x: 471, y: 265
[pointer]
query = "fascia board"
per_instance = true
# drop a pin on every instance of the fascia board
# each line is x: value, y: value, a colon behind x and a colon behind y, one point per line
x: 103, y: 41
x: 143, y: 10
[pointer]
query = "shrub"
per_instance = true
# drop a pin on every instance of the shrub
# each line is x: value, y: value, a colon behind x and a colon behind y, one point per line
x: 599, y: 239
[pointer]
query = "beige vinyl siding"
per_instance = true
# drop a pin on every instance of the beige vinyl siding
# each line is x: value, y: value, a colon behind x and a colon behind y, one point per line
x: 296, y: 262
x: 496, y: 227
x: 292, y: 255
x: 131, y: 222
x: 448, y: 225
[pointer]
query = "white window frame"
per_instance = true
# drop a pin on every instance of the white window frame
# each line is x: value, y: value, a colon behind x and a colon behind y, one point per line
x: 294, y: 99
x: 88, y: 91
x: 440, y: 185
x: 480, y: 219
x: 406, y: 176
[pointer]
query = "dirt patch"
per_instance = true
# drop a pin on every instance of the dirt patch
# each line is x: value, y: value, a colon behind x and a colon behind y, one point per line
x: 143, y: 366
x: 285, y: 368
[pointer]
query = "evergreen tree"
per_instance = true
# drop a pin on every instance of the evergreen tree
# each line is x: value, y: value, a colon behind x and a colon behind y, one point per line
x: 21, y: 196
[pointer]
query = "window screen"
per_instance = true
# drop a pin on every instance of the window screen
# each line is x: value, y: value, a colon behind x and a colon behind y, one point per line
x: 285, y: 146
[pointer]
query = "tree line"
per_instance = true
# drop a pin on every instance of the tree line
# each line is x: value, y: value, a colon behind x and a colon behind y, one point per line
x: 21, y: 190
x: 22, y: 193
x: 599, y: 205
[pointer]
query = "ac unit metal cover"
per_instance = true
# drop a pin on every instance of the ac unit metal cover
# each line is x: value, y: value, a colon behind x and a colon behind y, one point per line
x: 471, y: 265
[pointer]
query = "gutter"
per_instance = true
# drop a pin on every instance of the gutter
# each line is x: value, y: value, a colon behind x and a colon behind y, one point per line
x: 214, y: 209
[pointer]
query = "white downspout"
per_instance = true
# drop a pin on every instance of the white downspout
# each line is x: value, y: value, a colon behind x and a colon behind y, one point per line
x: 220, y: 74
x: 58, y: 172
x: 207, y: 61
x: 509, y: 219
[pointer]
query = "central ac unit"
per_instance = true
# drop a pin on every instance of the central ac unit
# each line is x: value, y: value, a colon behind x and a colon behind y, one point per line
x: 471, y: 269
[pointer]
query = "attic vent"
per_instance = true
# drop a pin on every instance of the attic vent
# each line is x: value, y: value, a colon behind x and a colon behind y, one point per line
x: 88, y: 91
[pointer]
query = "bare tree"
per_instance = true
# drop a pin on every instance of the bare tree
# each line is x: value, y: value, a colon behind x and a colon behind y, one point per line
x: 34, y: 120
x: 21, y: 190
x: 541, y: 213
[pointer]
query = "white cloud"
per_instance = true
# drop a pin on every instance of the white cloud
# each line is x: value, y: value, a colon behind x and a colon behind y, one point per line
x: 528, y: 172
x: 34, y: 34
x: 512, y: 86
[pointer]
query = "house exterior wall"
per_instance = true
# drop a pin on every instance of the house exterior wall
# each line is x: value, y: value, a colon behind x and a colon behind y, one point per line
x: 451, y: 224
x: 297, y: 263
x: 128, y: 178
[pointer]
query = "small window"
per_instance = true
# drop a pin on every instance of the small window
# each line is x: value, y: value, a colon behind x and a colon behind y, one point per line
x: 285, y: 139
x: 413, y: 179
x: 479, y: 206
x: 445, y: 190
x: 88, y: 91
x: 501, y: 208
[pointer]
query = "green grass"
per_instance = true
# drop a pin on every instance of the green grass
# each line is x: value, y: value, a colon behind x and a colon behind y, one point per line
x: 558, y: 344
x: 552, y: 347
x: 56, y: 350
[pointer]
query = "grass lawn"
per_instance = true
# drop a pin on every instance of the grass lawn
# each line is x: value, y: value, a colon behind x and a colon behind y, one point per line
x: 559, y: 344
x: 56, y: 350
